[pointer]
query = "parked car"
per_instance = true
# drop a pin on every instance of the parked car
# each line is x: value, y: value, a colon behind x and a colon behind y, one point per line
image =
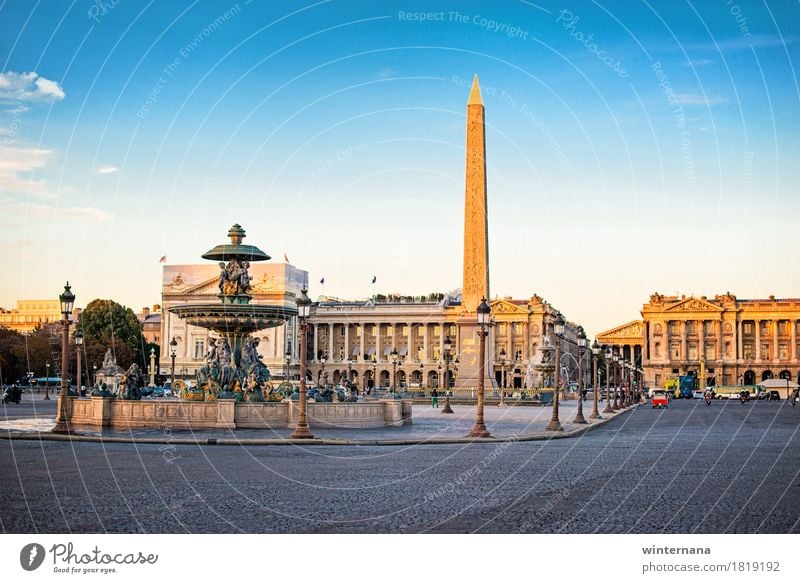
x: 774, y: 396
x: 697, y: 394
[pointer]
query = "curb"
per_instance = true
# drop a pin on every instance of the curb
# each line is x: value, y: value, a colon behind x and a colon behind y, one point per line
x: 538, y: 436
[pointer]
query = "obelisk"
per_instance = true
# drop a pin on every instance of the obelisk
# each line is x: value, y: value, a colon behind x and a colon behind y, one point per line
x: 475, y: 284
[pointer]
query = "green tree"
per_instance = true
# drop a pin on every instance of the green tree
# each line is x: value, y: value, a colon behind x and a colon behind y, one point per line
x: 20, y: 353
x: 107, y: 324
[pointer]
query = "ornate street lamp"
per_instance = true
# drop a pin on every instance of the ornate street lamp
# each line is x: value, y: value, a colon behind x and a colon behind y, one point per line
x: 615, y: 360
x: 422, y: 376
x: 173, y: 346
x: 558, y: 330
x: 484, y: 320
x: 448, y: 346
x: 47, y: 382
x: 579, y: 418
x: 67, y: 299
x: 374, y: 371
x: 288, y: 362
x: 301, y: 430
x: 78, y: 344
x: 502, y: 378
x: 94, y: 374
x: 595, y: 380
x: 609, y: 407
x: 394, y: 356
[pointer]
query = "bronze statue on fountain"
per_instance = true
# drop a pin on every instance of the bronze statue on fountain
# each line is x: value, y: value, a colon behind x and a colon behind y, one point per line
x: 233, y: 368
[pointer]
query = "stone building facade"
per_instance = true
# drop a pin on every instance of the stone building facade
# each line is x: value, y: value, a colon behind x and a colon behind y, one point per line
x: 356, y: 339
x: 742, y: 341
x: 30, y: 314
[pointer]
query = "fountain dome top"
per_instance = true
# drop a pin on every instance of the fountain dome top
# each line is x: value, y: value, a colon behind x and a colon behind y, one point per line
x: 235, y: 250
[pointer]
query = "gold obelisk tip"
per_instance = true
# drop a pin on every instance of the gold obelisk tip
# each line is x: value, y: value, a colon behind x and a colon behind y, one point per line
x: 475, y: 93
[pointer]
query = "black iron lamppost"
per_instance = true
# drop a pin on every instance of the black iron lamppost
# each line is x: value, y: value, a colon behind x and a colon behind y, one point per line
x: 617, y: 376
x: 558, y: 330
x: 301, y: 430
x: 173, y: 346
x: 579, y: 418
x: 47, y: 382
x: 62, y: 425
x: 595, y: 380
x: 374, y: 371
x: 502, y: 378
x: 448, y: 346
x: 484, y: 320
x: 78, y: 344
x: 288, y: 362
x: 394, y: 356
x: 422, y: 376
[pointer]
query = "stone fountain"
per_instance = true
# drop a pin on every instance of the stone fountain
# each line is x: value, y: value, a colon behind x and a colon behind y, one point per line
x: 233, y: 367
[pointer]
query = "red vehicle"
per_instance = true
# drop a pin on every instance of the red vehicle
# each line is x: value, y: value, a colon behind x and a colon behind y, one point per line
x: 659, y: 399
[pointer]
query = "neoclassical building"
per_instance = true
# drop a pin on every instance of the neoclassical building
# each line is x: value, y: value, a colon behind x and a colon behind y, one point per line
x: 742, y: 341
x: 358, y: 339
x: 30, y: 314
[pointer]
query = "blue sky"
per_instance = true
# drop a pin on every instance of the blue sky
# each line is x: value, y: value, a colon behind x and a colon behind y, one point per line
x: 632, y: 147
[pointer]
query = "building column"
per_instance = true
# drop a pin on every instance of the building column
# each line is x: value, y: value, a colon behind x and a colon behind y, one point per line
x: 378, y: 347
x: 509, y: 342
x: 701, y: 336
x: 346, y: 341
x: 412, y: 353
x: 316, y: 342
x: 441, y: 341
x: 793, y: 356
x: 526, y: 335
x: 758, y: 340
x: 684, y: 351
x: 331, y: 355
x: 739, y: 349
x: 426, y: 343
x: 775, y: 340
x: 363, y: 345
x: 720, y: 343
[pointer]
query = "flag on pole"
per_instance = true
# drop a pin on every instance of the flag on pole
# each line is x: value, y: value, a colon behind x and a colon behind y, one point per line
x: 374, y: 279
x: 163, y: 259
x: 285, y: 258
x: 322, y: 281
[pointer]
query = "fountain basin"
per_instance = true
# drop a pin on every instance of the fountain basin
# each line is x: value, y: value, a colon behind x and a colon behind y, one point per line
x: 234, y: 318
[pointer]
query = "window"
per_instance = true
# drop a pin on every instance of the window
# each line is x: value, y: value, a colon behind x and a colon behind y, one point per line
x: 748, y: 352
x: 501, y: 329
x: 747, y: 328
x: 676, y: 351
x: 342, y: 329
x: 199, y: 349
x: 690, y: 327
x: 517, y: 353
x: 765, y: 352
x: 711, y: 352
x: 692, y: 349
x: 783, y: 352
x: 673, y: 328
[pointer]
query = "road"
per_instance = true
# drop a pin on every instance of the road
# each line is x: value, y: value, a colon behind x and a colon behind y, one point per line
x: 727, y: 468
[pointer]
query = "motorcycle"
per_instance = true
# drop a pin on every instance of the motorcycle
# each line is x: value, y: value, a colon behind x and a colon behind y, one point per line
x: 707, y: 397
x: 12, y: 394
x: 744, y: 396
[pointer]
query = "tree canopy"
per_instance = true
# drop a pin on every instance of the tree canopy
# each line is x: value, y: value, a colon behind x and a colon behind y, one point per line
x: 106, y: 324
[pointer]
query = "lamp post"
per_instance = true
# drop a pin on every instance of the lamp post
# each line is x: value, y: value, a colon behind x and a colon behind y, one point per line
x: 484, y: 319
x: 47, y: 382
x: 394, y: 356
x: 617, y: 376
x: 422, y: 376
x: 322, y: 370
x: 301, y: 430
x: 502, y: 378
x: 173, y: 346
x: 374, y: 371
x: 94, y: 374
x: 67, y: 299
x: 448, y: 346
x: 609, y: 407
x: 558, y: 330
x: 78, y: 344
x: 579, y: 418
x: 439, y: 375
x: 288, y: 363
x: 595, y: 380
x: 152, y: 369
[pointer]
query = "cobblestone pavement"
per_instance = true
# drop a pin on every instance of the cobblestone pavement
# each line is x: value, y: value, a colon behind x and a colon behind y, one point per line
x: 689, y: 468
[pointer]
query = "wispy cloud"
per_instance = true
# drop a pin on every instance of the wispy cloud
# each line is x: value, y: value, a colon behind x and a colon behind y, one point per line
x: 47, y: 211
x: 698, y: 99
x: 107, y: 169
x: 29, y: 87
x: 742, y: 43
x: 15, y: 163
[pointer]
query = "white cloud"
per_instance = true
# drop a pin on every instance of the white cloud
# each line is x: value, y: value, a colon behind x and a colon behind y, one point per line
x: 28, y: 87
x: 15, y: 163
x: 23, y: 210
x: 697, y: 99
x: 107, y: 169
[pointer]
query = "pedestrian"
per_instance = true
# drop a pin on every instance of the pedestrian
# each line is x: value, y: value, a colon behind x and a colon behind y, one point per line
x: 435, y: 398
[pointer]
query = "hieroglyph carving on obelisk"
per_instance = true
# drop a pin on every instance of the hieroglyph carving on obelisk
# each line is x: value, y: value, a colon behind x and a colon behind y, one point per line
x: 476, y: 241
